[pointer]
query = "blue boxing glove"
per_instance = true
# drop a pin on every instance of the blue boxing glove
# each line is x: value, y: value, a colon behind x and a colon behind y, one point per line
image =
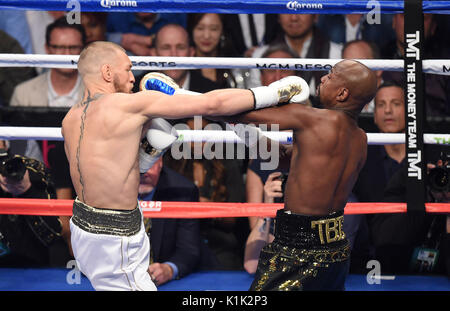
x: 156, y: 81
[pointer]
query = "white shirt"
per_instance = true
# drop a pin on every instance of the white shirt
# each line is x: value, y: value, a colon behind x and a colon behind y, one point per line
x: 351, y: 32
x: 187, y: 81
x: 259, y: 20
x: 66, y: 100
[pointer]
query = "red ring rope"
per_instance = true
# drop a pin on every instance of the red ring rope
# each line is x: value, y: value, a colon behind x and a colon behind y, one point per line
x: 157, y: 209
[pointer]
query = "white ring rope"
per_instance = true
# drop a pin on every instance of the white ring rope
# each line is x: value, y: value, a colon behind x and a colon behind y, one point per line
x: 435, y: 66
x: 54, y: 133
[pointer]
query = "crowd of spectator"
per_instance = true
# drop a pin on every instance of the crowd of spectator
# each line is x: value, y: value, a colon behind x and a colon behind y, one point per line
x: 180, y: 246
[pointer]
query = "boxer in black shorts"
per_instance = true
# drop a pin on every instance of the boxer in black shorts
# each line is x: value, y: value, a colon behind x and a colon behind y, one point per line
x: 329, y: 150
x: 308, y: 253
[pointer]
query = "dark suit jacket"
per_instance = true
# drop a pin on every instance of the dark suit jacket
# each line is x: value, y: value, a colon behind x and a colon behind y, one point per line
x: 380, y: 34
x: 374, y: 177
x: 369, y: 187
x: 233, y: 28
x: 199, y: 83
x: 176, y: 240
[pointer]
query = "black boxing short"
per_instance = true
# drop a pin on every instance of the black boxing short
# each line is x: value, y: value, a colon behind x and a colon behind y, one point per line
x: 308, y: 253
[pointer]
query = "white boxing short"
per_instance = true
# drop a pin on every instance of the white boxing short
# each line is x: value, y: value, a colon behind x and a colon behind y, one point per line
x: 111, y: 247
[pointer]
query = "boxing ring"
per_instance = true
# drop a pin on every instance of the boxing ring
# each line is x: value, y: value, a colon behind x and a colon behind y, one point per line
x: 11, y: 278
x: 237, y: 281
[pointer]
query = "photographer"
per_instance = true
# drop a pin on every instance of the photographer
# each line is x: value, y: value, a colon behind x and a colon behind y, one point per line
x: 28, y: 241
x: 415, y: 242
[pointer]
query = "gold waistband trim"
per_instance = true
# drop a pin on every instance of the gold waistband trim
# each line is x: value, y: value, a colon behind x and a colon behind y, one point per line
x: 106, y: 221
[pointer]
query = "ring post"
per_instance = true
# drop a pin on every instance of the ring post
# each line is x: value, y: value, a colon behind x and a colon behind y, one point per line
x: 414, y: 109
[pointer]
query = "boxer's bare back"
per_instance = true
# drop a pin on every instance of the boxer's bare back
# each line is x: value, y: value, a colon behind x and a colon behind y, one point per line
x: 103, y: 132
x: 329, y: 148
x: 99, y: 136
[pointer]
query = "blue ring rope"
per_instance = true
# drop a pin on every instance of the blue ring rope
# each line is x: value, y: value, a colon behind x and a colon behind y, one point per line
x: 230, y: 6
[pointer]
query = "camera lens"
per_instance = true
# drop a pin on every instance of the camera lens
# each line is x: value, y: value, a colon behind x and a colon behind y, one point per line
x: 439, y: 179
x: 14, y: 169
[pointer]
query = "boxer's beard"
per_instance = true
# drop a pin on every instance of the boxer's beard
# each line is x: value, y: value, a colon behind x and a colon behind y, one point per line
x: 120, y: 88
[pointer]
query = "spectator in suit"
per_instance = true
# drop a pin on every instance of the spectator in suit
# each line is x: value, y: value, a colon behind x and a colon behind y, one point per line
x: 173, y: 40
x: 300, y: 33
x: 59, y: 87
x: 343, y: 28
x: 239, y: 27
x: 381, y: 164
x: 389, y: 116
x: 175, y: 243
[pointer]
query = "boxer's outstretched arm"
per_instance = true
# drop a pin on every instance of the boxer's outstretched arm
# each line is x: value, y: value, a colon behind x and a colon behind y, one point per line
x: 288, y: 117
x: 218, y: 102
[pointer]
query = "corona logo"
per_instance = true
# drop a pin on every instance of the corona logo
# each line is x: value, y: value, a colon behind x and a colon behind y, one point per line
x: 118, y: 3
x: 295, y: 5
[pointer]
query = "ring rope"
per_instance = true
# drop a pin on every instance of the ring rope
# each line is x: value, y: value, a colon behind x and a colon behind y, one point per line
x: 54, y: 133
x: 434, y: 66
x: 162, y: 209
x: 229, y: 6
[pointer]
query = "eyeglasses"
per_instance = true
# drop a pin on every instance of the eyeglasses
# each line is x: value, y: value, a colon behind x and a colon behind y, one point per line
x: 62, y: 48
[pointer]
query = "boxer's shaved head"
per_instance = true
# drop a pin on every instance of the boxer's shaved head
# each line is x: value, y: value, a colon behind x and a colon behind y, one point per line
x: 361, y: 81
x: 350, y: 85
x: 97, y: 54
x: 107, y: 65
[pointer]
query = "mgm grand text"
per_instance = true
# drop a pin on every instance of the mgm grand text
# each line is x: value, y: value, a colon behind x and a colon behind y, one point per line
x: 295, y: 66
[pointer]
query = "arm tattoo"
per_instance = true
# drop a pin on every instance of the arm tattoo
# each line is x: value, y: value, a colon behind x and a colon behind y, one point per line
x: 86, y: 103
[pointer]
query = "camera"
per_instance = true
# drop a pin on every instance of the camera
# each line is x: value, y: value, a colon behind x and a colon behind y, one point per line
x: 12, y: 167
x: 439, y: 177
